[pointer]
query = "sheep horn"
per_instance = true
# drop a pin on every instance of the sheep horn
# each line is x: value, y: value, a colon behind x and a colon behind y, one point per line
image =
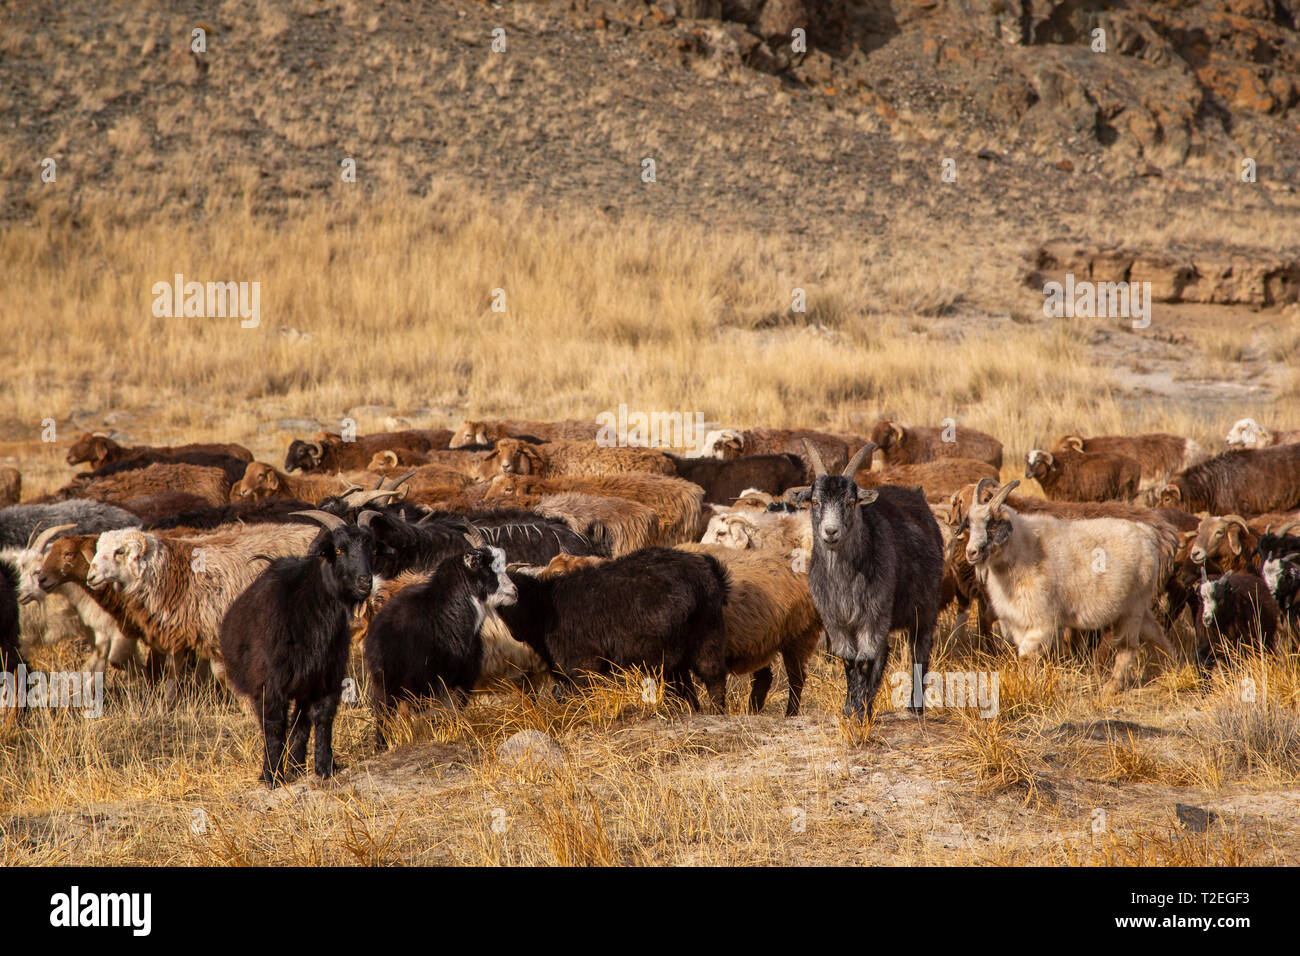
x: 865, y: 451
x: 979, y: 489
x: 1001, y: 496
x: 332, y: 522
x: 390, y: 455
x: 1282, y: 531
x: 44, y: 537
x: 315, y: 449
x: 1229, y: 519
x: 819, y: 470
x: 101, y: 435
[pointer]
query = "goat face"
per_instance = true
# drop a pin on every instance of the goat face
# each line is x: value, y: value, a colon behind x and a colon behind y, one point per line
x: 513, y: 457
x: 347, y: 551
x: 505, y: 593
x: 1209, y: 600
x: 489, y: 583
x: 1210, y: 537
x: 259, y: 481
x: 835, y: 503
x: 67, y: 560
x: 1171, y: 496
x: 729, y: 530
x: 723, y: 443
x: 989, y: 524
x: 119, y: 558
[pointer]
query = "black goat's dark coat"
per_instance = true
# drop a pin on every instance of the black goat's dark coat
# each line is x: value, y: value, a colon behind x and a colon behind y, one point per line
x: 656, y: 607
x: 261, y: 511
x: 11, y: 657
x: 725, y: 479
x: 884, y: 576
x: 286, y: 640
x: 425, y: 641
x: 1245, y: 612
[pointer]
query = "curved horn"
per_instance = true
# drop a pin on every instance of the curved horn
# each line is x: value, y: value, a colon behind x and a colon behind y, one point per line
x: 897, y: 429
x: 1229, y: 519
x: 855, y: 462
x: 385, y: 485
x: 1071, y: 441
x: 359, y: 498
x: 364, y: 519
x: 101, y: 435
x: 1000, y: 498
x: 332, y: 522
x: 315, y: 449
x: 390, y: 455
x: 44, y: 537
x: 1282, y: 531
x: 979, y: 489
x: 819, y: 469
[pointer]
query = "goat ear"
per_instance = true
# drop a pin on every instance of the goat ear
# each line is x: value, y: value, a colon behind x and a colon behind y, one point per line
x: 867, y: 495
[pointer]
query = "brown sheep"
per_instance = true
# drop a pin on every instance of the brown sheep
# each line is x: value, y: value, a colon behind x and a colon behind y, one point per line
x: 1069, y: 475
x: 1226, y: 543
x: 732, y: 443
x: 1244, y: 481
x: 262, y: 481
x: 676, y: 503
x: 911, y: 446
x: 1160, y: 455
x: 616, y: 526
x: 210, y: 484
x: 788, y: 534
x: 426, y: 481
x: 98, y: 450
x: 477, y: 432
x: 11, y: 487
x: 328, y: 452
x: 938, y: 479
x: 1248, y: 433
x: 564, y: 459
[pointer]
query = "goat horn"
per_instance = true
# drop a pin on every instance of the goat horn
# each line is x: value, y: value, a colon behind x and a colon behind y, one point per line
x: 332, y: 522
x: 425, y: 520
x: 44, y: 537
x: 819, y: 470
x: 1229, y: 519
x: 979, y: 488
x: 1000, y: 498
x: 358, y: 498
x: 1282, y: 531
x: 865, y: 451
x: 101, y: 435
x: 364, y: 519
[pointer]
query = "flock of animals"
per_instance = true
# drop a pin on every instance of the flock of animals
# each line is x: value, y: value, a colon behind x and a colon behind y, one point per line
x: 529, y: 552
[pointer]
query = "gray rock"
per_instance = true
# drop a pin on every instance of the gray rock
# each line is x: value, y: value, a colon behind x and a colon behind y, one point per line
x: 532, y: 749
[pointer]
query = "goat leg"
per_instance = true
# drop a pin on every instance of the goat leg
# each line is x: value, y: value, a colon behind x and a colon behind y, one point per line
x: 321, y: 712
x: 299, y: 731
x: 273, y: 717
x: 760, y: 682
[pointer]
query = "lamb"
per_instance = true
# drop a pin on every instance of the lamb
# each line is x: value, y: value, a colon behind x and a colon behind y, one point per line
x: 427, y: 641
x: 732, y: 443
x: 1243, y: 481
x: 1248, y: 433
x: 877, y: 562
x: 177, y: 589
x: 11, y: 487
x: 614, y: 526
x: 1235, y: 609
x: 1159, y: 455
x: 676, y: 503
x: 476, y: 432
x: 725, y: 480
x: 1042, y: 573
x: 572, y: 459
x: 328, y: 452
x: 210, y: 484
x: 938, y: 480
x: 1070, y: 475
x: 911, y: 446
x: 285, y: 640
x: 98, y: 450
x: 668, y: 612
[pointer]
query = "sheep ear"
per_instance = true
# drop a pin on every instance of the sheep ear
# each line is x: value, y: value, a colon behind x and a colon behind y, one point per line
x: 867, y: 495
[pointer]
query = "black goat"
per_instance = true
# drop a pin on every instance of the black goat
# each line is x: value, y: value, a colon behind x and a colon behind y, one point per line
x: 426, y: 640
x: 1235, y: 609
x: 260, y: 511
x: 876, y: 567
x: 523, y: 536
x: 656, y: 607
x: 11, y: 658
x: 286, y: 640
x: 726, y: 479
